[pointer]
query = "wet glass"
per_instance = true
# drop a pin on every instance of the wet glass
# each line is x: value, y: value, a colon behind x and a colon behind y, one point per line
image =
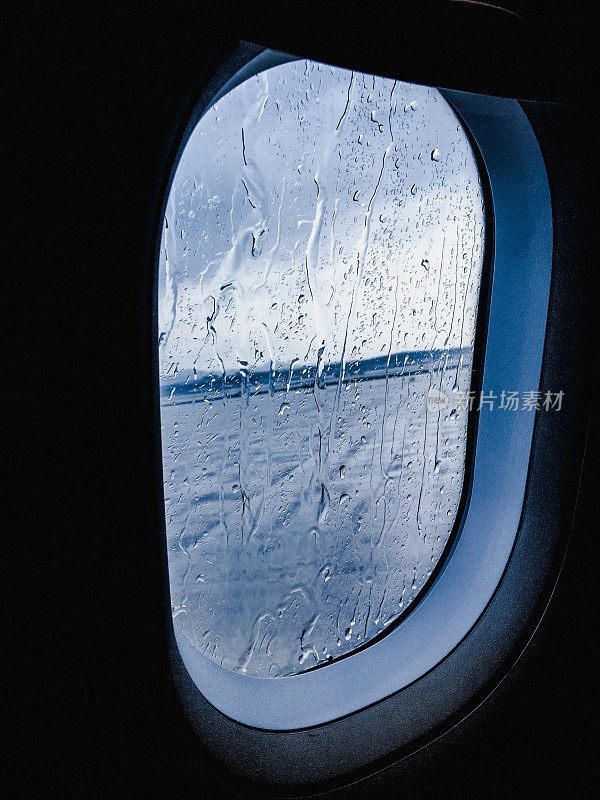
x: 318, y: 288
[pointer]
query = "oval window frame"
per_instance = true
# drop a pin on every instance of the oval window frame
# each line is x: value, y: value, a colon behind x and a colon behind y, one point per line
x: 522, y: 234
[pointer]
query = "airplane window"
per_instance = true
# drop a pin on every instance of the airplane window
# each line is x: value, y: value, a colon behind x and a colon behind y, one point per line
x: 319, y: 278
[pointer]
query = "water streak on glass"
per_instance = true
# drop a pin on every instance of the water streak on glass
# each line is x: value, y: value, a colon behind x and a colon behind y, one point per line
x: 319, y: 277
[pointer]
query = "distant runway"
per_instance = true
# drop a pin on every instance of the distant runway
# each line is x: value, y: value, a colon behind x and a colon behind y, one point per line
x: 304, y: 515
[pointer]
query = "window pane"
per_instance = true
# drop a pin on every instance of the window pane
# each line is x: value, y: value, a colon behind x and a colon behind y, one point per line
x: 319, y: 278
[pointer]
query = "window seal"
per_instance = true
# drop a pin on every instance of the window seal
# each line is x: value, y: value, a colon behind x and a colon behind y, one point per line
x: 498, y: 125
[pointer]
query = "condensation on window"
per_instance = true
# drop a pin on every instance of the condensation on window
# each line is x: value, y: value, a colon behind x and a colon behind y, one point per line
x: 319, y: 276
